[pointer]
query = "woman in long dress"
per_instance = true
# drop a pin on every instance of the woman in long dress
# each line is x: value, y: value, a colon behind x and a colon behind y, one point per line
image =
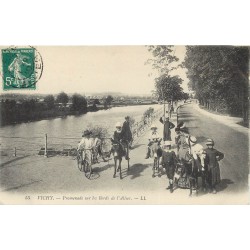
x: 212, y: 159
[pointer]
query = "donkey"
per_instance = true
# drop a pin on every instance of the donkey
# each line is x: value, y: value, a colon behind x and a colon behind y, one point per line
x: 118, y: 153
x: 156, y: 153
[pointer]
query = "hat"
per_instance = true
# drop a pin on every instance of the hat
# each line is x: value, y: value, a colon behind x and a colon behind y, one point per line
x: 191, y: 139
x: 210, y: 142
x: 181, y: 125
x: 118, y: 124
x: 153, y: 126
x: 87, y: 132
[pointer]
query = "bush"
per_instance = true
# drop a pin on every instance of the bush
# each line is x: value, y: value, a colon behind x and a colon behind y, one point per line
x: 98, y: 131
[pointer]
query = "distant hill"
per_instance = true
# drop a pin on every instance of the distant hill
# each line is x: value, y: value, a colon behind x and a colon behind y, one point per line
x: 18, y: 96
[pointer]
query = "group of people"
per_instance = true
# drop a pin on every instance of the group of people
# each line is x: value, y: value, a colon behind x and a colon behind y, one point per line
x: 194, y: 160
x: 122, y: 135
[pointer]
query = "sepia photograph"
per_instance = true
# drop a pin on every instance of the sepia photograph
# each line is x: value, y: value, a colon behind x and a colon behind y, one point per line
x: 153, y: 124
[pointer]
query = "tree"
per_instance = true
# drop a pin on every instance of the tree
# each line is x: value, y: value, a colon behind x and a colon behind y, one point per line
x: 165, y: 62
x: 50, y: 101
x: 62, y: 98
x: 219, y: 76
x: 168, y: 88
x: 164, y: 58
x: 79, y: 103
x: 109, y: 100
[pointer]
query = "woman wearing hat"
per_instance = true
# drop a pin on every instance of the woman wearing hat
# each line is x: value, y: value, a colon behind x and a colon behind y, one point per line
x: 212, y: 159
x: 86, y: 144
x: 154, y: 137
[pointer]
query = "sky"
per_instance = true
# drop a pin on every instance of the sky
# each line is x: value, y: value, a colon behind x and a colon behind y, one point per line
x: 93, y: 69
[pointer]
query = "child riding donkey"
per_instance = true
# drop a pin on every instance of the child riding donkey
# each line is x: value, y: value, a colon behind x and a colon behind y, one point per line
x: 154, y: 139
x: 118, y: 138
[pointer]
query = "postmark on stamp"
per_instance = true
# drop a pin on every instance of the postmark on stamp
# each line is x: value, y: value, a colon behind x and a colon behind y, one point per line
x: 22, y: 68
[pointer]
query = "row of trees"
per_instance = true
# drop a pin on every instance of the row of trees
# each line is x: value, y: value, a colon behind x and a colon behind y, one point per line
x: 79, y: 102
x: 167, y: 85
x: 219, y: 75
x: 24, y: 110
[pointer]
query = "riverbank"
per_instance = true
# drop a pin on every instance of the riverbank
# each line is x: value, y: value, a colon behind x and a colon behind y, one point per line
x: 26, y: 117
x: 34, y: 175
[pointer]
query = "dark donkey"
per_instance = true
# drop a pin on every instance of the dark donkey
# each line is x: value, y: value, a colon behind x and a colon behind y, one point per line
x: 118, y: 153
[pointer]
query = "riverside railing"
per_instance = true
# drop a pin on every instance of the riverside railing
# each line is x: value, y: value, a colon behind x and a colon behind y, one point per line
x: 139, y: 128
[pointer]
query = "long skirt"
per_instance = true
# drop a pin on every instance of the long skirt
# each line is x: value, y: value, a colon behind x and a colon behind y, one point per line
x: 214, y: 176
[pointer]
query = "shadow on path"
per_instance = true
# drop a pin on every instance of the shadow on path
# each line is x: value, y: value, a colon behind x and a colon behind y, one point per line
x: 20, y: 186
x: 136, y: 170
x: 224, y: 184
x: 13, y: 160
x: 137, y: 146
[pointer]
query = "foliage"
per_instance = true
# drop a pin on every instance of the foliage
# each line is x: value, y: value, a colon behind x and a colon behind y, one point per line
x: 97, y: 130
x: 169, y: 88
x: 62, y: 98
x: 148, y: 113
x: 109, y: 100
x: 50, y: 101
x: 219, y: 76
x: 131, y: 121
x: 164, y: 58
x: 79, y: 103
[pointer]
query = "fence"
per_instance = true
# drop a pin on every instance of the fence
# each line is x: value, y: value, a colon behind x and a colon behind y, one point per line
x: 139, y: 128
x: 43, y: 145
x: 64, y: 146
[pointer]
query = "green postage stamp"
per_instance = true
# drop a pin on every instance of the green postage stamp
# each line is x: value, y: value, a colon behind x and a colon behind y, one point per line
x: 21, y: 67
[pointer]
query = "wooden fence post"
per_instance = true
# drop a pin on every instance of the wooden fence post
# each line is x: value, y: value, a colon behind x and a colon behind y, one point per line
x: 45, y: 146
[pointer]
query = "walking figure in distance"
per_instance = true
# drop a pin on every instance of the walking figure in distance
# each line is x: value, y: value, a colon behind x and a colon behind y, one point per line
x: 166, y: 128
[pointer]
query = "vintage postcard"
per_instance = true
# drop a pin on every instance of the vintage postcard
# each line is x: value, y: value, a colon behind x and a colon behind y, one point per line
x: 124, y: 125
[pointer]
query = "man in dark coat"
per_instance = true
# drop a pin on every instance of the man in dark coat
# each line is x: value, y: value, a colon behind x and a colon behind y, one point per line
x: 167, y: 128
x: 126, y: 132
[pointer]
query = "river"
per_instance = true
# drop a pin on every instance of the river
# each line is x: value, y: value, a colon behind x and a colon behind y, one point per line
x: 29, y: 137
